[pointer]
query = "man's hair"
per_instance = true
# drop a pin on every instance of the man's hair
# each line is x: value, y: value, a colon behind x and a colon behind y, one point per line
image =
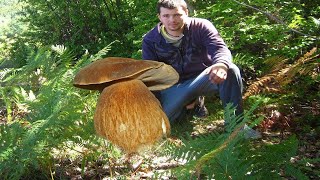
x: 171, y: 4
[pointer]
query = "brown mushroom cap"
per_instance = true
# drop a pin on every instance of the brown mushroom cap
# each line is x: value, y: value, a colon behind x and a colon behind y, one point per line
x: 104, y: 72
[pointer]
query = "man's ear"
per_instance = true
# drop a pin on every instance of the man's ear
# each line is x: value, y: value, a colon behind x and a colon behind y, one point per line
x: 187, y: 12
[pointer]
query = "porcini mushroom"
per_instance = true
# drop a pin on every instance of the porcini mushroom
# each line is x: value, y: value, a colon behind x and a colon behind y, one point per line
x: 127, y: 112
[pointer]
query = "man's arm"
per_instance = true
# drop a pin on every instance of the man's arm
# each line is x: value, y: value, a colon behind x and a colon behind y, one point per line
x: 218, y: 52
x: 217, y: 49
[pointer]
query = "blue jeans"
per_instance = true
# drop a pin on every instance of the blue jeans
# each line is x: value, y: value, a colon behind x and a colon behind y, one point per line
x: 175, y: 98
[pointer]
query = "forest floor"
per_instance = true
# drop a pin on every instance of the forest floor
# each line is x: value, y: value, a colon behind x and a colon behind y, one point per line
x: 147, y: 165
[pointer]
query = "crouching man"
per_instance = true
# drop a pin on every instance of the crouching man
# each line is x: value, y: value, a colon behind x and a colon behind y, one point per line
x: 194, y: 48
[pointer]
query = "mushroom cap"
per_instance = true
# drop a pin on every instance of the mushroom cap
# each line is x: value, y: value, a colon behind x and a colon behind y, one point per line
x: 101, y: 73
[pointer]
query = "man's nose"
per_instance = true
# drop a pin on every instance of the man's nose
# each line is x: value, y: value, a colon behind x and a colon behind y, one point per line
x: 172, y: 18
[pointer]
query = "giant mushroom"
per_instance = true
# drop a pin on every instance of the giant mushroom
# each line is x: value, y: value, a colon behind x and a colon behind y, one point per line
x: 127, y: 112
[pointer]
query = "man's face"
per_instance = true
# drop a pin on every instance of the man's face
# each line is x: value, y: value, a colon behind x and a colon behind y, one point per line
x: 173, y: 19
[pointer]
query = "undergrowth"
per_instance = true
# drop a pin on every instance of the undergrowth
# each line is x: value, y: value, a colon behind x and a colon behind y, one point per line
x: 229, y: 155
x: 46, y: 118
x: 44, y: 113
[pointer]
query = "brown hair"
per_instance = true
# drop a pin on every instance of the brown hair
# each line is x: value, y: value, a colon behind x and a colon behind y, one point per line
x: 171, y: 4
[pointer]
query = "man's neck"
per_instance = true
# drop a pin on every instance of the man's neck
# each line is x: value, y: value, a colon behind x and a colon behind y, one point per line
x: 174, y: 33
x: 169, y: 37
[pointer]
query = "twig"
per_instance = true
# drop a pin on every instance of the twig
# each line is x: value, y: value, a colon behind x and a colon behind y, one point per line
x: 137, y: 166
x: 165, y: 166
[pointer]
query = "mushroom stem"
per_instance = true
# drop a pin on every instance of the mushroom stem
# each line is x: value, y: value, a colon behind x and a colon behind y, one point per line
x: 130, y: 116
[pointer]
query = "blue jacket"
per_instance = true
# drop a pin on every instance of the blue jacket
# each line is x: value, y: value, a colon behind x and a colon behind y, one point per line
x: 201, y: 47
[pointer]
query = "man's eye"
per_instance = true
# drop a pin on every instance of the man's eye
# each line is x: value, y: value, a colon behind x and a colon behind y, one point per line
x: 166, y: 15
x: 177, y: 15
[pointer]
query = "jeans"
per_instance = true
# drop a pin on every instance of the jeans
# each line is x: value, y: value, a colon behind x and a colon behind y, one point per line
x: 175, y: 98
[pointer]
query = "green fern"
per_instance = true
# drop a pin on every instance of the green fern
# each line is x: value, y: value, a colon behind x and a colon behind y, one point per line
x: 229, y: 156
x: 57, y: 114
x: 270, y: 160
x: 103, y: 51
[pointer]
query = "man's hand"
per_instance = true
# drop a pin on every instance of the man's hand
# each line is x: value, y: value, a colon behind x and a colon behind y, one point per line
x: 217, y: 73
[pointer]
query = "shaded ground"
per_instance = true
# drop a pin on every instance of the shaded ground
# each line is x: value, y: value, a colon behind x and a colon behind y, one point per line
x: 146, y: 166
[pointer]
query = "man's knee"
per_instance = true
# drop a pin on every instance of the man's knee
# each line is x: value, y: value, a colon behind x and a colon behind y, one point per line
x: 234, y: 70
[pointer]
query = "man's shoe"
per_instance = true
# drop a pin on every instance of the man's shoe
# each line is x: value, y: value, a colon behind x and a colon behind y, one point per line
x: 250, y: 133
x: 200, y: 110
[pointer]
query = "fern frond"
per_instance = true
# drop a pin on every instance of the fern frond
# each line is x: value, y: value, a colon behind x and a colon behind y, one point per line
x: 103, y: 51
x: 5, y: 72
x: 8, y: 75
x: 10, y: 96
x: 232, y: 139
x: 303, y: 66
x: 64, y: 55
x: 283, y: 74
x: 271, y: 158
x: 275, y: 63
x: 205, y: 158
x: 60, y: 49
x: 85, y: 60
x: 10, y: 136
x: 267, y: 83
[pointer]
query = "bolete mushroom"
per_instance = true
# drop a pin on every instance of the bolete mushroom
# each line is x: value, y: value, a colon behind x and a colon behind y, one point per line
x: 127, y: 112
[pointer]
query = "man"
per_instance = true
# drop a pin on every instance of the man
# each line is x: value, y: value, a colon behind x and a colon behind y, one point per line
x: 194, y: 48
